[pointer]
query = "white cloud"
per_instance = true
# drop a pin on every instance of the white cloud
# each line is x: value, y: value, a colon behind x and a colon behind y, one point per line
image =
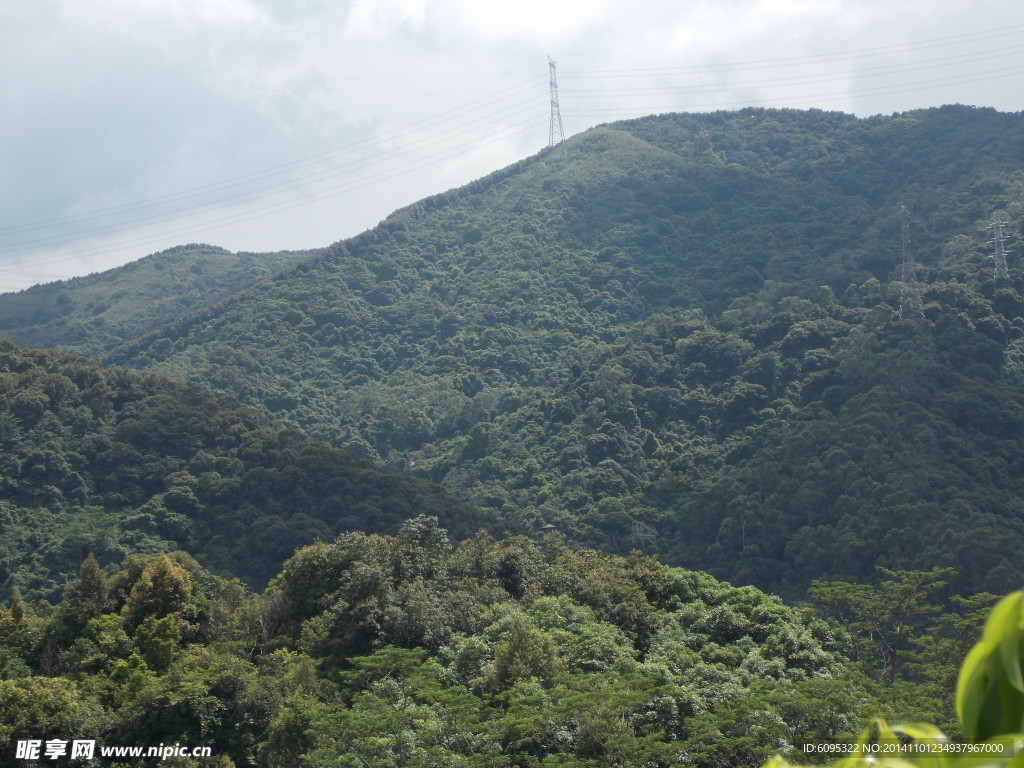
x: 537, y: 21
x: 160, y: 20
x: 111, y: 102
x: 378, y: 19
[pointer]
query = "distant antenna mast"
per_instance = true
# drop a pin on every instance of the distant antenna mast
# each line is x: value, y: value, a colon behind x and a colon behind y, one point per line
x: 556, y: 134
x: 998, y: 243
x: 911, y: 306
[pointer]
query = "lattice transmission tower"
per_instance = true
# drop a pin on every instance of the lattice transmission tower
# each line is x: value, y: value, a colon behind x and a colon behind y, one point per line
x: 556, y: 133
x: 998, y: 243
x: 911, y: 305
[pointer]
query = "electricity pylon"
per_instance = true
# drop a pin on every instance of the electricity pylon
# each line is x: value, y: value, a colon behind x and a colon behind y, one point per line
x: 556, y: 133
x: 911, y: 306
x: 998, y: 243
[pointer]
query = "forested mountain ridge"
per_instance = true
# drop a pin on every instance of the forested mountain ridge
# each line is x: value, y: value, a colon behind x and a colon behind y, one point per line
x: 107, y: 461
x: 681, y: 335
x: 91, y: 315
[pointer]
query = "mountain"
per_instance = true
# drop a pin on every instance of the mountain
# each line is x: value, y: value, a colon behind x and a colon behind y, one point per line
x: 683, y: 335
x: 91, y: 315
x: 105, y: 461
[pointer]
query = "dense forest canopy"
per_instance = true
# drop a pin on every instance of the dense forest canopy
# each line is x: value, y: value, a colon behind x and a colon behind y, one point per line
x: 105, y: 461
x: 408, y: 650
x: 683, y: 338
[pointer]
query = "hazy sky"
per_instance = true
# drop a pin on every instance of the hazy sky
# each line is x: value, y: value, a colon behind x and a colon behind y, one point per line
x: 130, y: 126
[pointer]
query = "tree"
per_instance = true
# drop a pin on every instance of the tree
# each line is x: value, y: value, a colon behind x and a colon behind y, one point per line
x: 525, y: 652
x: 45, y: 708
x: 420, y: 548
x: 162, y: 589
x: 886, y: 618
x: 400, y: 715
x: 989, y: 704
x: 17, y: 606
x: 157, y: 641
x: 86, y: 598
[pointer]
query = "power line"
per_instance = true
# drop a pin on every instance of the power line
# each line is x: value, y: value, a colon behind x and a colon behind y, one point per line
x: 793, y: 61
x: 691, y: 86
x: 817, y: 77
x: 527, y: 126
x: 296, y: 165
x: 305, y: 180
x: 815, y: 98
x: 259, y: 193
x: 293, y: 166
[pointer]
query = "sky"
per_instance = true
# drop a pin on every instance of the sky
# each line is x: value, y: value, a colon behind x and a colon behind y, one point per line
x: 130, y: 126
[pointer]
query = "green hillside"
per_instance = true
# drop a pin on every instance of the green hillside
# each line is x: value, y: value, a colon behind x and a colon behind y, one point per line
x: 92, y: 315
x: 684, y: 338
x: 105, y: 461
